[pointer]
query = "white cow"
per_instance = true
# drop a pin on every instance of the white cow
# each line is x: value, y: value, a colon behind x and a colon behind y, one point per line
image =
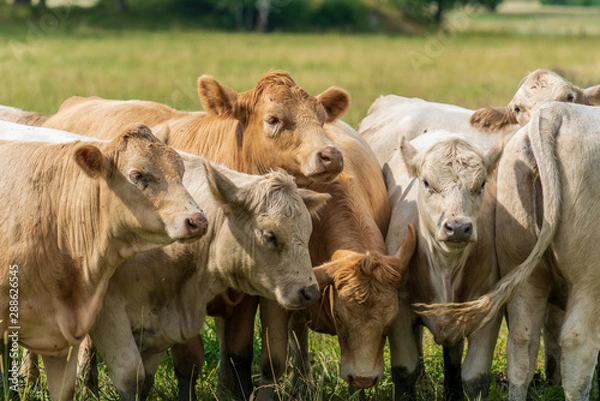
x: 442, y: 183
x: 547, y: 243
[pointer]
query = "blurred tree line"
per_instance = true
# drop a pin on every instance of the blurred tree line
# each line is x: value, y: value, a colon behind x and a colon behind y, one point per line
x: 289, y: 15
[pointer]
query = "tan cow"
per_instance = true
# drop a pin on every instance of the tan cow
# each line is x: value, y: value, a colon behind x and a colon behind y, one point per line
x: 276, y: 124
x: 348, y: 248
x: 547, y: 236
x: 442, y: 184
x: 391, y: 116
x: 77, y: 211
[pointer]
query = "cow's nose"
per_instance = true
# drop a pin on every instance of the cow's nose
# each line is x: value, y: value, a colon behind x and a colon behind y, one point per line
x: 362, y: 382
x: 459, y: 232
x: 331, y: 159
x: 310, y: 293
x: 197, y: 224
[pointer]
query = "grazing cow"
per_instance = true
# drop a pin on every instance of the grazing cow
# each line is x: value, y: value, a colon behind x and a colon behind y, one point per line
x: 74, y: 212
x: 276, y: 124
x: 391, y: 116
x: 546, y: 241
x: 359, y: 282
x: 442, y: 183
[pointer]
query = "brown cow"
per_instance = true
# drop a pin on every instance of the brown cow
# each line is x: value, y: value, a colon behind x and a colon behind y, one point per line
x: 348, y: 240
x: 77, y: 211
x: 547, y: 242
x: 276, y: 124
x: 441, y: 182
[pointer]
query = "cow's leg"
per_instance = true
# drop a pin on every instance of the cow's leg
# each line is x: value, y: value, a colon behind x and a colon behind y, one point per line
x: 476, y: 368
x: 579, y: 343
x: 452, y: 375
x: 405, y: 353
x: 551, y: 333
x: 117, y: 346
x: 274, y: 356
x: 30, y: 368
x: 525, y: 313
x: 151, y: 362
x: 236, y: 337
x: 87, y: 369
x: 301, y: 374
x: 61, y: 373
x: 188, y: 359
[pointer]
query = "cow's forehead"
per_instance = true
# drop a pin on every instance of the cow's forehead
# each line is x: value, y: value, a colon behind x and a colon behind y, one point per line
x: 453, y: 159
x: 153, y: 155
x: 291, y: 99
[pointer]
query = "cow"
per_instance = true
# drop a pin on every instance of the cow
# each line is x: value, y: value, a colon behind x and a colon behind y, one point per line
x: 358, y: 302
x: 391, y: 116
x: 276, y: 124
x: 547, y: 247
x: 74, y: 212
x: 443, y: 184
x: 258, y: 244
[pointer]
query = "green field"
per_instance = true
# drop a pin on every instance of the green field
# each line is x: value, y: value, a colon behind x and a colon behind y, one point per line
x: 478, y: 61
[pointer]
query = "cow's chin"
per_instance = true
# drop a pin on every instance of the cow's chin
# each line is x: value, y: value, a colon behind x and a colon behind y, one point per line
x: 454, y: 246
x: 318, y: 178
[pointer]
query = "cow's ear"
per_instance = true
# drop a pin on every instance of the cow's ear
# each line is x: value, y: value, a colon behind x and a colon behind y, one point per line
x: 335, y: 101
x: 405, y: 253
x: 492, y: 118
x: 492, y: 157
x: 90, y: 159
x: 216, y: 98
x: 222, y: 188
x: 314, y: 201
x: 325, y: 274
x: 409, y: 155
x: 592, y: 95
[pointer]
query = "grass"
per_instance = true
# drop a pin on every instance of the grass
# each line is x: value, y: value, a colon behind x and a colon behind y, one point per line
x: 478, y: 61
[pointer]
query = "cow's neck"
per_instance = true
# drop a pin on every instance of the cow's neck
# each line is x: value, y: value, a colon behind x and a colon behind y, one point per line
x: 446, y: 268
x: 345, y: 223
x: 218, y: 139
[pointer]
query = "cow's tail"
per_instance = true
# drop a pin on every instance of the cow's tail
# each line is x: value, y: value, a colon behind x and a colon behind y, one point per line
x: 14, y: 115
x: 465, y: 318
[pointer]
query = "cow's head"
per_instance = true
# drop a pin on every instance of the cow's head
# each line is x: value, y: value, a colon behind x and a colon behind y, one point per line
x: 265, y: 243
x: 146, y: 177
x: 451, y: 176
x: 359, y: 301
x: 538, y: 87
x: 281, y: 125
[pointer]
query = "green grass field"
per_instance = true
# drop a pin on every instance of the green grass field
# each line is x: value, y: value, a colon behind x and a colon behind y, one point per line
x: 479, y: 61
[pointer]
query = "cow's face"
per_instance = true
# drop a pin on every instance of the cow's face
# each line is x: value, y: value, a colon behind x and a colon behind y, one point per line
x: 361, y: 291
x: 265, y: 243
x: 282, y: 125
x: 538, y: 87
x: 451, y: 176
x: 146, y: 177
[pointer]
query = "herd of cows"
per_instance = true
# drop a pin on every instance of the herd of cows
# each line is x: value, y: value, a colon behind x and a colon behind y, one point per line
x: 127, y: 222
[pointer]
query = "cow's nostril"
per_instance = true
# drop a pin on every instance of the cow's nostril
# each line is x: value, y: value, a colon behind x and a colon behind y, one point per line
x: 197, y: 223
x: 310, y: 293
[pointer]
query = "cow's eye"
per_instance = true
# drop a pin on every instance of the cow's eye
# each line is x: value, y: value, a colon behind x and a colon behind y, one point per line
x: 481, y: 188
x: 270, y: 238
x: 570, y: 98
x: 272, y: 120
x: 517, y: 109
x: 138, y: 178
